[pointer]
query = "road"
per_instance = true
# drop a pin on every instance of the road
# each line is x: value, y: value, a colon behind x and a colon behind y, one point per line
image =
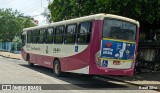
x: 18, y: 72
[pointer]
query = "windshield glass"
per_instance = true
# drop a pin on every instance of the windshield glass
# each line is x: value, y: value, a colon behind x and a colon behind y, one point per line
x: 118, y: 29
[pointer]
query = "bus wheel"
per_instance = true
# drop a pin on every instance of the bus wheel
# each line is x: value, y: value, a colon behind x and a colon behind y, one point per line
x: 29, y: 62
x: 57, y: 68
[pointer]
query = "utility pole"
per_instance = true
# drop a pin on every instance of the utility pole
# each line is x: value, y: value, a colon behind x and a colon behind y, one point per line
x: 41, y: 3
x: 49, y: 2
x: 47, y: 13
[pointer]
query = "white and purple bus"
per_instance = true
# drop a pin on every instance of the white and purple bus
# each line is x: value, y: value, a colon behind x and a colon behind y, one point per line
x: 95, y: 45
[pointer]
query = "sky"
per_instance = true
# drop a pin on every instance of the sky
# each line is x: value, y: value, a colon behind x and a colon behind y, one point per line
x: 33, y: 8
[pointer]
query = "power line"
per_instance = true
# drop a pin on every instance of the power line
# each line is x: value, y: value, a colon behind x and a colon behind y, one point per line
x: 30, y: 8
x: 27, y: 8
x: 7, y: 2
x: 34, y: 9
x: 41, y: 3
x: 2, y: 1
x: 36, y: 15
x: 33, y: 1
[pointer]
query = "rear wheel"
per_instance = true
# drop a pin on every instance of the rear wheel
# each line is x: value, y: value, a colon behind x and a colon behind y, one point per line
x: 29, y: 62
x: 57, y: 68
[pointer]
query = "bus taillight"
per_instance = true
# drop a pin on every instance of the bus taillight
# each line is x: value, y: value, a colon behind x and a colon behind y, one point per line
x: 116, y: 62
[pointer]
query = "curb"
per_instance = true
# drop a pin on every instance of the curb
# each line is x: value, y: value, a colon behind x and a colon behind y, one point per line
x: 10, y: 57
x: 119, y: 80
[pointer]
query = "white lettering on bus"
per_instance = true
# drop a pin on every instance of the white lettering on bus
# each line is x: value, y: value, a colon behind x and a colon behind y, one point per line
x: 107, y: 51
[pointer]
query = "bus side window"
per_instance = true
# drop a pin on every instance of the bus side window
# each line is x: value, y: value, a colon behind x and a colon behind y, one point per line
x: 37, y: 36
x: 84, y: 33
x: 59, y: 33
x: 29, y: 37
x: 49, y: 36
x: 41, y: 35
x: 23, y: 37
x: 70, y: 36
x: 34, y: 39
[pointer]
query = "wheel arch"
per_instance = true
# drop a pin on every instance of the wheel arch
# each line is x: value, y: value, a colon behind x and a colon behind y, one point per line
x: 27, y: 57
x: 56, y: 58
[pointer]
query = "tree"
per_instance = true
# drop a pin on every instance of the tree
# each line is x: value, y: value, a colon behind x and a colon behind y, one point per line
x: 11, y: 24
x: 147, y: 12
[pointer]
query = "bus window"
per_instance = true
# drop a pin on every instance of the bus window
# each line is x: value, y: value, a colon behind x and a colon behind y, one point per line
x: 58, y: 37
x: 41, y: 35
x: 49, y: 38
x: 29, y: 37
x: 118, y: 29
x: 37, y: 35
x: 23, y: 37
x: 34, y: 38
x: 70, y: 36
x: 84, y: 33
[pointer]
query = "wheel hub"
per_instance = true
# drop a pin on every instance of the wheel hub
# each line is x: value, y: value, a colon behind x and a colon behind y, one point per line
x: 56, y: 68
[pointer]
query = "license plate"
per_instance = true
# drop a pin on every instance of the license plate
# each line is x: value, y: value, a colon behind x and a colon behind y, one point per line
x: 116, y: 62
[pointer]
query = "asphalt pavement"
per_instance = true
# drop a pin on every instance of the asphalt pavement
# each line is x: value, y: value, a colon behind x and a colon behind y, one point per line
x: 18, y: 73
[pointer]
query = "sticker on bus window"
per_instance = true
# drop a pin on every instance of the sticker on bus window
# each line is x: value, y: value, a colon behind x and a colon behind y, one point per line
x: 76, y: 48
x: 105, y: 63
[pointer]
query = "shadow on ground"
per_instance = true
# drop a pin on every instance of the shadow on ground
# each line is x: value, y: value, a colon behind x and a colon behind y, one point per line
x: 78, y: 81
x: 144, y: 76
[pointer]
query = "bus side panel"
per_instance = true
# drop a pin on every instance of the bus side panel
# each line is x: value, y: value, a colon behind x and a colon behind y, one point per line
x: 95, y: 45
x: 79, y: 63
x: 32, y: 58
x: 39, y: 59
x: 76, y: 62
x: 46, y: 61
x: 24, y: 56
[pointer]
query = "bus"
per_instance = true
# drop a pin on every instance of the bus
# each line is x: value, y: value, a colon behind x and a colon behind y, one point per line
x: 99, y: 44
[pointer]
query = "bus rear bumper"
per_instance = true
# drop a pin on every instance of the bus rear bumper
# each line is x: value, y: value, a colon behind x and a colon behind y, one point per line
x: 108, y: 71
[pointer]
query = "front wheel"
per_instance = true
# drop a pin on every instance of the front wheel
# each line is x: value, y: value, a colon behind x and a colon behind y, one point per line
x: 57, y: 68
x: 29, y: 62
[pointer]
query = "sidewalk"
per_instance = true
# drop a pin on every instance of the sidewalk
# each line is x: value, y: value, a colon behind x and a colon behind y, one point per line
x: 11, y: 55
x: 143, y: 78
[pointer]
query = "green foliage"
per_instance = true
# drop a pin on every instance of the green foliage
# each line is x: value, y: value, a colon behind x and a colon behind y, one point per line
x: 11, y: 24
x: 147, y: 12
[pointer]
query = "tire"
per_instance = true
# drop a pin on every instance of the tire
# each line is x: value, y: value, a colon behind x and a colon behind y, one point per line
x: 29, y: 63
x: 57, y: 68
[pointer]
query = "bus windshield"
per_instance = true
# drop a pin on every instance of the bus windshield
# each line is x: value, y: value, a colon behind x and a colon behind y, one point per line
x: 118, y: 29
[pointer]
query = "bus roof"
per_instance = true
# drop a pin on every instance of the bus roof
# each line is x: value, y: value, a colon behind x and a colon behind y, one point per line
x: 85, y: 18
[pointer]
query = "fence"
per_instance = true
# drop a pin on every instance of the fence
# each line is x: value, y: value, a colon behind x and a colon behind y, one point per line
x: 10, y: 47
